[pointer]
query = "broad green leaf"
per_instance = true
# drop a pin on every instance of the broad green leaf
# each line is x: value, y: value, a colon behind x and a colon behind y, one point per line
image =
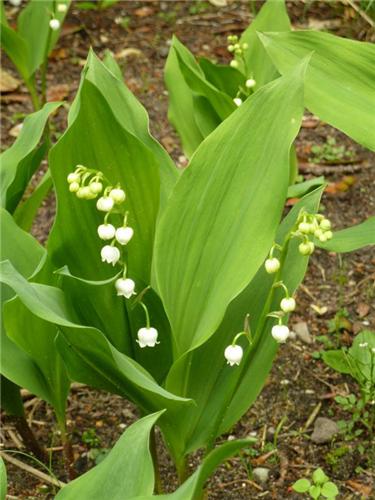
x: 110, y: 63
x: 336, y: 360
x: 226, y: 205
x: 362, y: 358
x: 339, y: 85
x: 89, y: 356
x: 351, y: 238
x: 329, y: 490
x: 125, y: 473
x: 19, y: 162
x: 10, y: 397
x: 272, y: 17
x: 319, y: 476
x: 315, y: 491
x: 229, y: 391
x: 196, y: 80
x: 223, y: 77
x: 302, y: 188
x: 26, y: 211
x: 33, y: 27
x: 131, y: 115
x: 3, y: 480
x: 301, y: 486
x: 181, y: 105
x: 17, y: 50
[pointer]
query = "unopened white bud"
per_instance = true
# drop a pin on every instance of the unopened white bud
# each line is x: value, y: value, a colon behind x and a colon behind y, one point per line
x: 325, y: 224
x: 272, y: 265
x: 73, y: 177
x: 280, y: 333
x: 73, y: 187
x: 323, y: 237
x: 234, y: 63
x: 250, y: 83
x: 54, y: 24
x: 110, y: 254
x: 288, y: 304
x: 84, y: 193
x: 363, y: 345
x: 106, y: 231
x: 124, y: 235
x: 62, y: 7
x: 318, y: 233
x: 233, y: 354
x: 125, y: 287
x: 231, y: 48
x: 306, y: 248
x: 147, y: 337
x: 96, y: 187
x: 237, y: 101
x: 328, y: 234
x: 105, y: 204
x: 15, y: 3
x: 304, y: 227
x: 117, y: 195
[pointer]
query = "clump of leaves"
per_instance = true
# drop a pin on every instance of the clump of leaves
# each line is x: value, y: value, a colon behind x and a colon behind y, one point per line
x: 329, y: 152
x: 318, y: 487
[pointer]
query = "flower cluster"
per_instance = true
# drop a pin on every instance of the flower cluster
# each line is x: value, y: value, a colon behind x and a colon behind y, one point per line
x: 312, y: 226
x: 237, y: 48
x: 88, y: 184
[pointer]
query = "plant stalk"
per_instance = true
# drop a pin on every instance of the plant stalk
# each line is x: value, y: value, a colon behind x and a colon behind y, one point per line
x: 29, y: 438
x: 155, y: 460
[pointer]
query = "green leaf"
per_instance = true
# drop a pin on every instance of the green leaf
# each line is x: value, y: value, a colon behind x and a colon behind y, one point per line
x: 272, y: 17
x: 351, y: 238
x: 319, y: 476
x: 302, y: 188
x: 110, y: 63
x: 19, y: 162
x: 26, y: 211
x: 224, y: 78
x: 361, y: 357
x: 17, y: 50
x: 10, y: 397
x: 314, y: 491
x: 131, y: 115
x: 125, y: 473
x: 3, y: 480
x: 301, y: 486
x: 336, y: 360
x: 339, y: 84
x: 228, y: 392
x: 329, y: 490
x: 227, y: 225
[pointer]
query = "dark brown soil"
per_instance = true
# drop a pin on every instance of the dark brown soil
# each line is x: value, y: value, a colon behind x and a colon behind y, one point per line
x: 294, y: 389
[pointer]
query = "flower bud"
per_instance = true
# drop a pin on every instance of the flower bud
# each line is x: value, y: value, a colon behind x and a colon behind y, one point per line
x: 117, y: 195
x: 230, y: 48
x: 272, y: 265
x: 318, y: 233
x: 306, y: 248
x: 106, y: 231
x: 96, y: 187
x: 304, y: 227
x: 234, y: 63
x: 323, y: 237
x: 280, y: 333
x: 325, y: 224
x: 73, y: 187
x: 328, y: 234
x: 73, y: 177
x: 84, y: 193
x: 288, y: 304
x: 237, y: 101
x: 147, y: 337
x: 110, y: 254
x: 54, y: 24
x: 125, y: 287
x: 233, y: 354
x: 62, y: 7
x: 250, y: 83
x: 124, y: 235
x: 105, y: 204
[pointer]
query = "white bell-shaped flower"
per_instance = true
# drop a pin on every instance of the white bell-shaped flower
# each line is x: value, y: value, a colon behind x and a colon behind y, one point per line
x: 125, y: 287
x: 147, y: 337
x: 250, y: 83
x: 237, y: 101
x: 106, y: 231
x: 54, y: 24
x: 306, y: 248
x: 117, y: 195
x: 288, y: 304
x: 124, y: 235
x: 96, y: 187
x: 280, y: 333
x: 73, y: 177
x: 233, y: 354
x: 110, y: 254
x: 105, y: 204
x: 272, y: 265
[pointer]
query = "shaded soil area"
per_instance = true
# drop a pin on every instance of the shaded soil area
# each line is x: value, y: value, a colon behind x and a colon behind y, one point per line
x: 300, y: 385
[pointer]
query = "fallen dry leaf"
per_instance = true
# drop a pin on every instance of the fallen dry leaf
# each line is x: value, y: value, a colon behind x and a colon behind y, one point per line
x: 363, y: 309
x: 130, y: 51
x: 364, y: 489
x: 7, y: 82
x: 58, y: 92
x: 144, y: 11
x: 168, y: 143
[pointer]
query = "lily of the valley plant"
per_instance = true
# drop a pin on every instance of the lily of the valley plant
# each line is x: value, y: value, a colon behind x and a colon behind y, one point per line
x: 172, y: 289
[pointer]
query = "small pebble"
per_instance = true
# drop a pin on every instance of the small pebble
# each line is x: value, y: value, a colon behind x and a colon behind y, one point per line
x: 261, y: 474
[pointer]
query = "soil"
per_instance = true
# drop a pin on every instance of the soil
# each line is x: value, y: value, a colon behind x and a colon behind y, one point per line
x: 343, y: 285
